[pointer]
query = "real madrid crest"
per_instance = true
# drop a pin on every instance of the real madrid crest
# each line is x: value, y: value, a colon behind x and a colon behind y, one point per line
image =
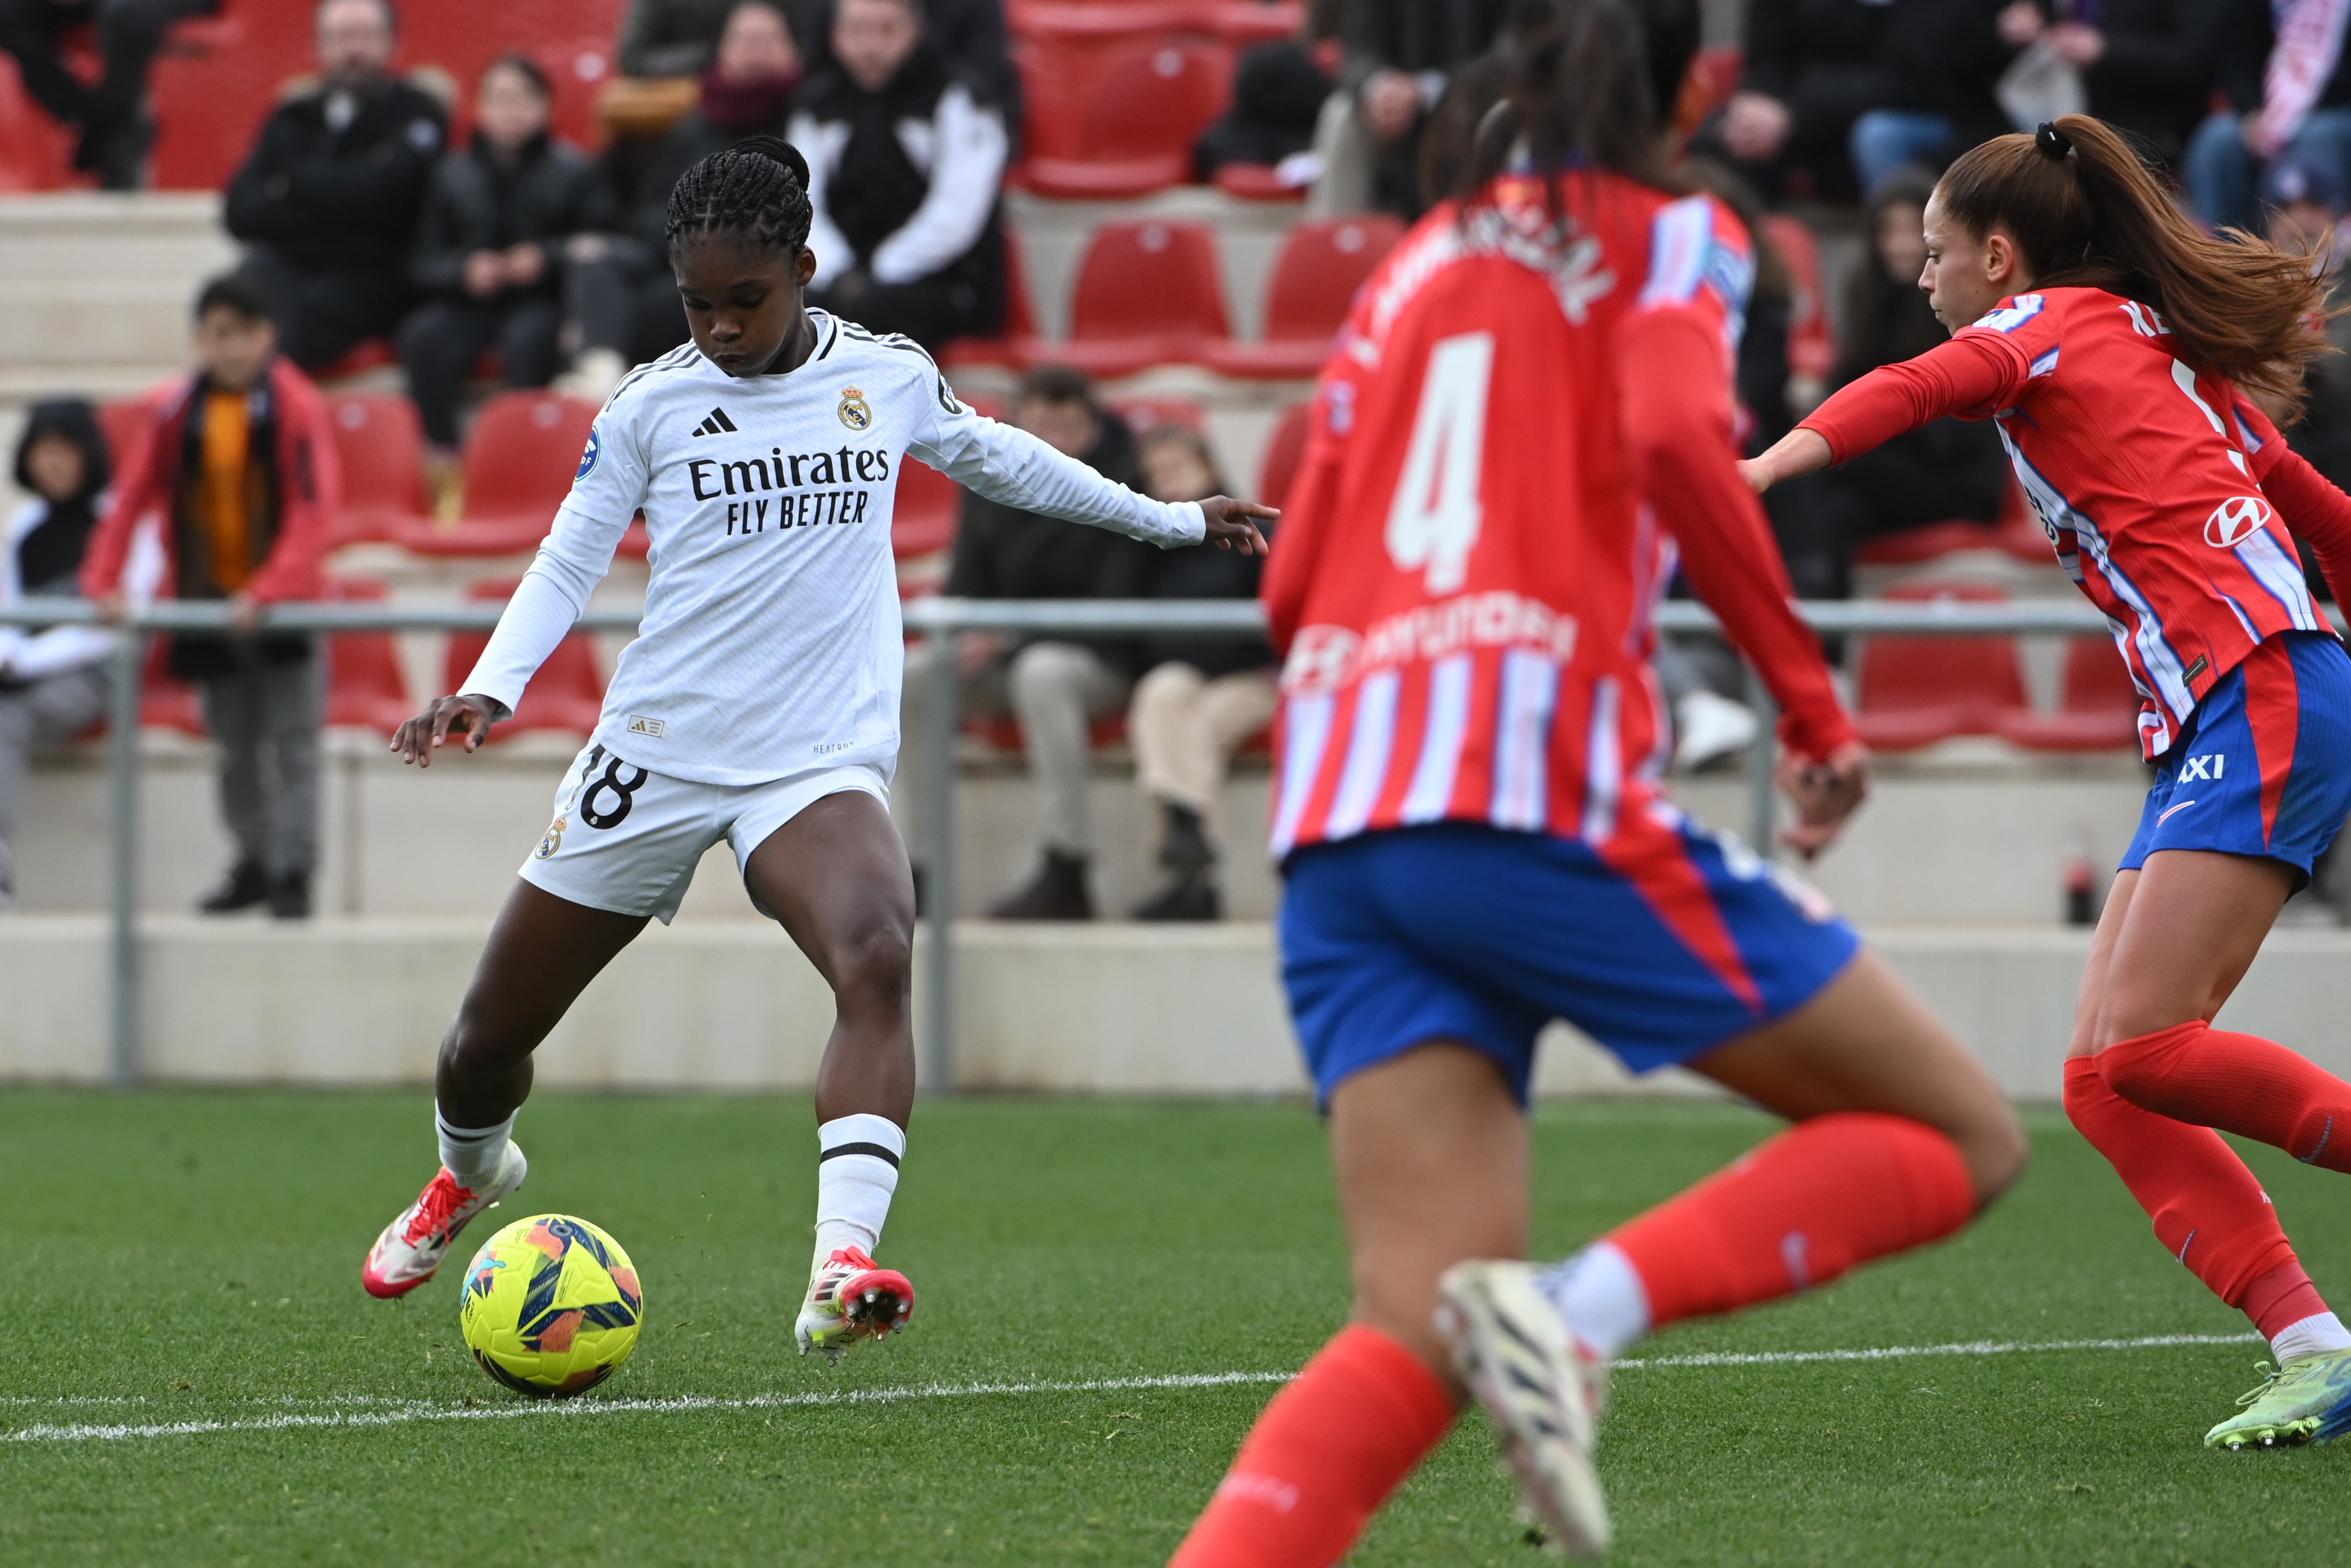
x: 554, y: 840
x: 854, y: 413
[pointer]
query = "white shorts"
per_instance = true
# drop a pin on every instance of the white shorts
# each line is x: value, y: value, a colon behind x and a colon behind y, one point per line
x: 627, y: 839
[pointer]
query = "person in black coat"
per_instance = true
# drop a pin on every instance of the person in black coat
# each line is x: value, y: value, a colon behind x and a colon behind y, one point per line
x: 327, y: 200
x: 2150, y: 66
x: 971, y: 33
x: 489, y: 251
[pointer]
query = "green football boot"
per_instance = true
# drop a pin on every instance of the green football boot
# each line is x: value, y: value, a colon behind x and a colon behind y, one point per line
x: 2308, y: 1400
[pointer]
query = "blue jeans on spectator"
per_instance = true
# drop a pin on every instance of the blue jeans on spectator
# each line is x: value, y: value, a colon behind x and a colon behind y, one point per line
x: 2221, y: 172
x: 1885, y: 140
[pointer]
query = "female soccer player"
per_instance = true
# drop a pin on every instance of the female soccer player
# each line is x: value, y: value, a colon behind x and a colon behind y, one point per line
x: 1473, y: 839
x: 2109, y: 339
x: 758, y: 704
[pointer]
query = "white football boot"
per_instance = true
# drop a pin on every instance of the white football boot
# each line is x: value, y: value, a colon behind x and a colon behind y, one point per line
x: 850, y: 1298
x: 1542, y: 1387
x: 411, y: 1246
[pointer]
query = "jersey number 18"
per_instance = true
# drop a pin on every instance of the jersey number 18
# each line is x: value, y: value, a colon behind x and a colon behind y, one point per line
x: 1434, y: 520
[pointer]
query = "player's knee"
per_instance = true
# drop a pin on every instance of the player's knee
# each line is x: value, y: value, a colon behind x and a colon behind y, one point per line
x: 1992, y: 1144
x: 875, y: 967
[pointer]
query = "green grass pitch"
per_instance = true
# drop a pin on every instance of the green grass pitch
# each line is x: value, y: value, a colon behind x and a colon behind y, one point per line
x: 193, y: 1257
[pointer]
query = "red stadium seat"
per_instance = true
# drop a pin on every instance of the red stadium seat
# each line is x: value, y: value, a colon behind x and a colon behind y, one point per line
x: 1917, y: 690
x: 1241, y: 23
x: 2099, y: 710
x: 521, y: 457
x: 928, y: 508
x: 368, y: 354
x: 1315, y: 277
x: 1927, y: 542
x: 1282, y: 455
x: 1144, y: 108
x: 1146, y: 414
x: 567, y: 694
x: 1146, y: 294
x: 1812, y: 350
x: 35, y: 153
x: 960, y: 353
x: 382, y: 450
x: 365, y: 688
x: 1255, y: 182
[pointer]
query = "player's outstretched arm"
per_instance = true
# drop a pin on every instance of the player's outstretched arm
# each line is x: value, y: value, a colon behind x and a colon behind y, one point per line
x: 1015, y: 468
x: 1964, y: 374
x: 1229, y: 525
x: 466, y: 719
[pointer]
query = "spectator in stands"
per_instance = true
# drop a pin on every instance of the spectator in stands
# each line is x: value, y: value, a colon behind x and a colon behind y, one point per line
x: 241, y: 465
x: 489, y: 253
x: 1836, y: 94
x: 2286, y: 77
x: 906, y: 164
x: 621, y: 304
x: 53, y: 684
x: 1198, y: 702
x: 1397, y: 56
x: 1055, y: 687
x: 1279, y: 91
x: 2305, y: 218
x: 1949, y: 470
x: 112, y: 117
x: 2147, y: 66
x: 670, y: 37
x: 327, y: 200
x: 970, y: 33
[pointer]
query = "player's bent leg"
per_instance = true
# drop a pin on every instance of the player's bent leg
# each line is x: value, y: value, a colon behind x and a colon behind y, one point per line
x: 541, y: 953
x: 1900, y: 1137
x: 836, y: 879
x: 1430, y: 1154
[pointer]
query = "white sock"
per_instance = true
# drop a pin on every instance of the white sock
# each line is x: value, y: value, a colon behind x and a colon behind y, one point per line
x: 2317, y: 1333
x: 1601, y: 1296
x: 471, y: 1154
x: 856, y: 1172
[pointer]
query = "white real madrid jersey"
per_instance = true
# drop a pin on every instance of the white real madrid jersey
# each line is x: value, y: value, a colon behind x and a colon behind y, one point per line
x: 771, y: 641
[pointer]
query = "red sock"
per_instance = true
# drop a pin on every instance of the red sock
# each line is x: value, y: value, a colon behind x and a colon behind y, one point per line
x: 2209, y: 1211
x: 1821, y: 1197
x: 1321, y: 1458
x: 2240, y: 1083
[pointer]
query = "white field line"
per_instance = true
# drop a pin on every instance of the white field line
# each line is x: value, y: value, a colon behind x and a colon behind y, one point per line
x: 373, y: 1412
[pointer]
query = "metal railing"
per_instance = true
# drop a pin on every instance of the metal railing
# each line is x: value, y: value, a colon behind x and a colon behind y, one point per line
x: 934, y: 616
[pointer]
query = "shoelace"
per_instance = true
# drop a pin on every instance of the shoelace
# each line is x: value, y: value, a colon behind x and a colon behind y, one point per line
x: 442, y: 1197
x: 2270, y: 1372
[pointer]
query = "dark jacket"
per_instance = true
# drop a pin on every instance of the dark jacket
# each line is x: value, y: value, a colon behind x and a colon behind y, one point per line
x: 551, y: 193
x: 340, y: 200
x: 1938, y: 56
x: 48, y: 557
x: 1208, y: 572
x: 2161, y: 62
x: 1002, y: 552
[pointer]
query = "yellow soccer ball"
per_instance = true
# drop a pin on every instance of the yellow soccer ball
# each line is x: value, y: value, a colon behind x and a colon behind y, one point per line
x: 551, y: 1306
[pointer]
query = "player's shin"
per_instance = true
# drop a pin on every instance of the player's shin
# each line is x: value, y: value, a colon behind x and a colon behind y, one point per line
x: 2209, y: 1212
x: 856, y: 1176
x: 1825, y: 1195
x: 1324, y: 1455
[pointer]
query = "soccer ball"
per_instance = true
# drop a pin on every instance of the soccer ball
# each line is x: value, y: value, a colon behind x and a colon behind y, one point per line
x: 551, y: 1306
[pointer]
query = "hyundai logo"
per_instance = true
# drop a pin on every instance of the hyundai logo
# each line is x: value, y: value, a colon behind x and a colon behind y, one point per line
x: 2235, y: 521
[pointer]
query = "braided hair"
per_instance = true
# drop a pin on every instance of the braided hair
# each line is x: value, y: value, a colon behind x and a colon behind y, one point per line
x: 757, y: 189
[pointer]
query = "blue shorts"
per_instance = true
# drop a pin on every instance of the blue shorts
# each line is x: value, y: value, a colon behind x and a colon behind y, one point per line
x: 1662, y: 945
x: 2263, y: 765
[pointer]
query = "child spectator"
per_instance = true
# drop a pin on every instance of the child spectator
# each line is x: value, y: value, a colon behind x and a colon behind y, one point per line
x: 112, y: 115
x: 1056, y: 687
x: 906, y: 164
x: 241, y: 465
x: 327, y: 200
x: 489, y: 252
x: 53, y: 684
x: 1198, y: 702
x: 621, y: 303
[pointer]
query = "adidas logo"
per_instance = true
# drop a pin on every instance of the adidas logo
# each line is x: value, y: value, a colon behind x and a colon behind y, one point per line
x: 716, y: 424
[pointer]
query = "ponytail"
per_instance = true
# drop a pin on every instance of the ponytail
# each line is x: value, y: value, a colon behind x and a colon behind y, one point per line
x: 2085, y: 212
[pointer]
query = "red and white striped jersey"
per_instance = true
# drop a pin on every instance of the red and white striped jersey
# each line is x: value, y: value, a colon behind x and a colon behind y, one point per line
x: 1465, y: 579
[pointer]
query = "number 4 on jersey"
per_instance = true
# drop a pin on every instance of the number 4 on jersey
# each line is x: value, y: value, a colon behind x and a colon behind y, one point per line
x: 1432, y: 522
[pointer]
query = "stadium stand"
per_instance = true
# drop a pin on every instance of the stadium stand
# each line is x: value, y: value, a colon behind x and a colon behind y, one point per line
x: 1145, y: 105
x: 1147, y: 293
x: 1315, y: 275
x: 383, y: 451
x: 1282, y: 455
x: 365, y: 687
x: 1916, y: 691
x: 929, y: 504
x: 2097, y: 710
x: 519, y: 458
x: 567, y: 693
